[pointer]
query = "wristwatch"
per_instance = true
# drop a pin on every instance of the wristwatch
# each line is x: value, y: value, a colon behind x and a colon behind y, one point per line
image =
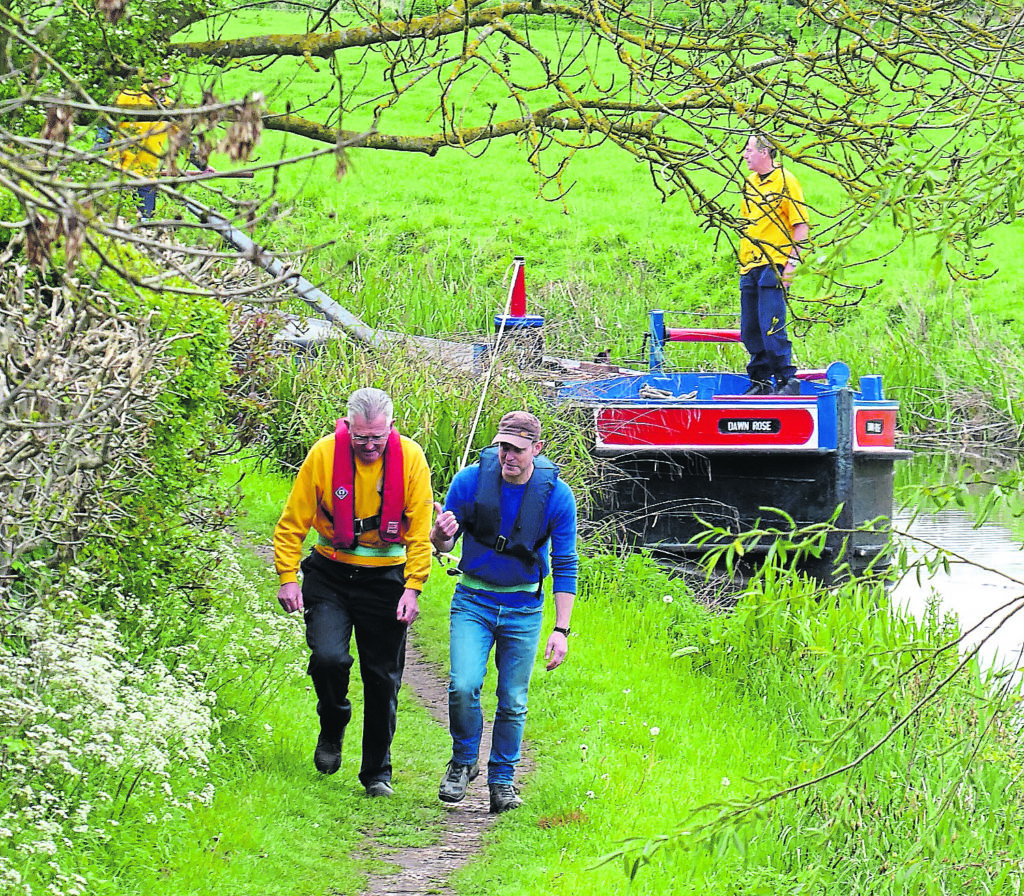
x: 563, y: 631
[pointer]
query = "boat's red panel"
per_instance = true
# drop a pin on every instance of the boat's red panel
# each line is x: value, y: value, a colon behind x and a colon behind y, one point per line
x: 740, y: 425
x: 874, y: 428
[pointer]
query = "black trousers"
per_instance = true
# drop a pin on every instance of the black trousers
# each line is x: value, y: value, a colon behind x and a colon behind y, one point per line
x: 339, y: 599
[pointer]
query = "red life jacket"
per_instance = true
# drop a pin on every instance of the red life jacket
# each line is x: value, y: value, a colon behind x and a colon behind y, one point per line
x: 347, y: 528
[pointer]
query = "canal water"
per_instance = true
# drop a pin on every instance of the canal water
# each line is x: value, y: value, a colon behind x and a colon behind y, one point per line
x: 986, y: 594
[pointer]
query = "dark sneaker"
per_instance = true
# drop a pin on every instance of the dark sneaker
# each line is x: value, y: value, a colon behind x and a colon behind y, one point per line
x: 758, y: 387
x: 503, y: 798
x: 380, y: 788
x: 327, y: 756
x: 455, y: 781
x: 788, y: 387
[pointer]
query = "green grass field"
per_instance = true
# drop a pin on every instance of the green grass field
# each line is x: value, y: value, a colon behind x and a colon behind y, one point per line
x: 424, y: 245
x: 652, y: 740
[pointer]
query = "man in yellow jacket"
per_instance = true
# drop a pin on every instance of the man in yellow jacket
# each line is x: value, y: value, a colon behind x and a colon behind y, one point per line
x: 366, y: 491
x: 774, y: 235
x: 141, y: 144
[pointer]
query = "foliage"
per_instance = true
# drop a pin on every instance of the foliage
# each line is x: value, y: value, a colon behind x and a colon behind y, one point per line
x: 947, y: 360
x: 898, y: 762
x: 161, y: 512
x: 66, y: 46
x: 86, y: 728
x: 673, y: 85
x: 103, y: 729
x: 113, y: 448
x: 112, y: 405
x: 434, y: 405
x: 65, y: 406
x: 764, y: 724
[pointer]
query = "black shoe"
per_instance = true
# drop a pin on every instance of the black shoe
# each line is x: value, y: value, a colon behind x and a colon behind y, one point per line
x: 758, y: 387
x: 788, y: 387
x: 380, y: 788
x: 327, y: 756
x: 503, y: 798
x: 455, y: 781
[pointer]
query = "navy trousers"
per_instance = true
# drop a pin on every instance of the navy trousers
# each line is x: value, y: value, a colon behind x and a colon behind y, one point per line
x: 763, y: 325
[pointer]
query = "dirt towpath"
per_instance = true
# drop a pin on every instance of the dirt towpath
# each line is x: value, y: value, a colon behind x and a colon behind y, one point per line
x: 427, y: 869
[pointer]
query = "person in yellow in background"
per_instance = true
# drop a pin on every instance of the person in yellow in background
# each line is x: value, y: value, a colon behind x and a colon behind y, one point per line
x: 776, y: 229
x: 366, y: 491
x: 141, y: 144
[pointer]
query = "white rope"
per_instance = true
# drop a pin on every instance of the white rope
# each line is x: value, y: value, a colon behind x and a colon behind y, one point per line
x: 490, y: 368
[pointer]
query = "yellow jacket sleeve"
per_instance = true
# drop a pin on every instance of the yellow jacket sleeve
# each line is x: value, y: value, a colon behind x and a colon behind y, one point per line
x: 303, y: 509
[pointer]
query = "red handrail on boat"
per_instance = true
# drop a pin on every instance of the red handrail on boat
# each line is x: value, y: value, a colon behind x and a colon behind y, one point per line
x: 707, y: 334
x: 700, y: 334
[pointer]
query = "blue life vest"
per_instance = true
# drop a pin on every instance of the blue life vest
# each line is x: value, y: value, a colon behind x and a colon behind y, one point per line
x: 530, y: 530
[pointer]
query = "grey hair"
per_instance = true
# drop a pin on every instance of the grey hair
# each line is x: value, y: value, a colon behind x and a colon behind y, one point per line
x: 764, y: 142
x: 369, y: 404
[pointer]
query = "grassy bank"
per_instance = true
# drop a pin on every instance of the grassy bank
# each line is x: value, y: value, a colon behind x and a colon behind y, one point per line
x: 668, y: 731
x: 423, y: 245
x: 666, y: 741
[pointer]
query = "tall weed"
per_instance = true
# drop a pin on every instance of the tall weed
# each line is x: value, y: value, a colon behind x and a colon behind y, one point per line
x: 435, y: 405
x: 901, y: 753
x: 105, y: 731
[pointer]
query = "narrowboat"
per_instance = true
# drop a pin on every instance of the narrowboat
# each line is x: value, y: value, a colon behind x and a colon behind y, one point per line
x: 682, y: 452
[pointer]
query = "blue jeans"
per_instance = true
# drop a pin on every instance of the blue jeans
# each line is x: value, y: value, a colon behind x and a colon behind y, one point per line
x: 763, y: 325
x: 476, y: 626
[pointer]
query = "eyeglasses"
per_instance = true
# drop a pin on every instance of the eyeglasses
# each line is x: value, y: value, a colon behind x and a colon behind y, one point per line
x: 366, y: 440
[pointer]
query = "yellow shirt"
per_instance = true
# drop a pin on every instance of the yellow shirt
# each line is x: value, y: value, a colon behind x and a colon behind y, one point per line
x: 311, y: 505
x: 149, y: 139
x: 771, y: 206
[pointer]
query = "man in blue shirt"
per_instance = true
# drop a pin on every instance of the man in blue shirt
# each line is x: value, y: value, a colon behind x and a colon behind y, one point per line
x: 514, y: 513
